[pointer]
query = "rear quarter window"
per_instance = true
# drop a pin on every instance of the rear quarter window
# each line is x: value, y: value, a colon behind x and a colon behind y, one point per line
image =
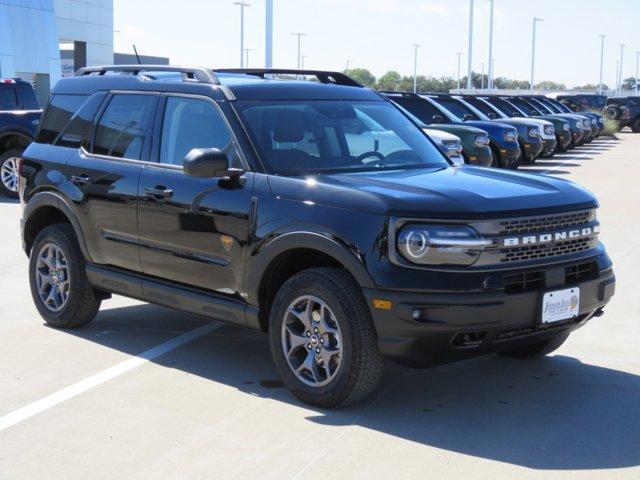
x: 8, y: 99
x: 57, y: 115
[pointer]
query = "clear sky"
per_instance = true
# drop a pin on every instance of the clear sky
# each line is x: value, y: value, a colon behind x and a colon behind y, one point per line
x: 377, y: 34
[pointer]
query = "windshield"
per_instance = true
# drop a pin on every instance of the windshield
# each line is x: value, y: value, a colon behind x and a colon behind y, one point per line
x: 508, y: 108
x: 425, y: 110
x: 557, y: 106
x: 525, y: 106
x: 300, y: 137
x: 457, y: 108
x: 487, y: 109
x: 541, y: 106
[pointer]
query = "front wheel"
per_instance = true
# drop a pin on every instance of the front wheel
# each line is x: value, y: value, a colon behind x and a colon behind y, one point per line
x: 9, y: 172
x: 537, y: 349
x: 322, y: 339
x: 635, y: 126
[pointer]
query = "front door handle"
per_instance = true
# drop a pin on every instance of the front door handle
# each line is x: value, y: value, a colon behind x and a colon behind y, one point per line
x: 81, y: 180
x: 158, y: 192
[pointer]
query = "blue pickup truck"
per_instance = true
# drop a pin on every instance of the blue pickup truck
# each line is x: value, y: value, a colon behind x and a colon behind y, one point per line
x: 19, y: 119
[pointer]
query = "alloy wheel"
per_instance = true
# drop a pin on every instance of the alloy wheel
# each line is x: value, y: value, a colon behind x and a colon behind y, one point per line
x: 52, y: 277
x: 9, y: 174
x: 311, y: 341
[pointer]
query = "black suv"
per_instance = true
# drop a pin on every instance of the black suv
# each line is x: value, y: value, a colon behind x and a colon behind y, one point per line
x: 19, y: 118
x: 625, y: 111
x: 316, y: 211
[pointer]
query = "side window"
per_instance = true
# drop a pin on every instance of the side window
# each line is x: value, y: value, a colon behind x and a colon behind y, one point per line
x: 193, y: 123
x: 59, y: 111
x: 124, y: 126
x: 8, y: 100
x: 26, y: 97
x: 78, y: 130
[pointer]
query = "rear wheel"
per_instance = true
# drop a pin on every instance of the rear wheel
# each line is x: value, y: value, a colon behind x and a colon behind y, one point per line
x: 322, y: 339
x: 9, y: 172
x: 537, y: 349
x: 635, y: 126
x: 59, y: 284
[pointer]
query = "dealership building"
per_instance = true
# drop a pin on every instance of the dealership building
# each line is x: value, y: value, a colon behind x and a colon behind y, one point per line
x: 33, y: 33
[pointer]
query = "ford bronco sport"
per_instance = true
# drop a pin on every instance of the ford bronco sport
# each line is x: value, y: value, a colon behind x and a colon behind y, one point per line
x: 315, y: 211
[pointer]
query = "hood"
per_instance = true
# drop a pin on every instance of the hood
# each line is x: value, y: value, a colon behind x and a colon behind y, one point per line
x: 457, y: 128
x: 439, y: 135
x: 495, y: 129
x: 453, y: 193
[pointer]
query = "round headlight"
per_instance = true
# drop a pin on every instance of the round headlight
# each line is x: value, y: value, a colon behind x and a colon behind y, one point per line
x: 417, y: 243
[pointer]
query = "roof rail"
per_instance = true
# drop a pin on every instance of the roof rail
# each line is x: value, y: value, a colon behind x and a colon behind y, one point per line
x: 189, y: 74
x: 337, y: 78
x: 402, y: 94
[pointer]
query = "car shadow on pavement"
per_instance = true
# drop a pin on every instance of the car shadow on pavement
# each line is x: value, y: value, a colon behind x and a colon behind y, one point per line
x: 553, y: 413
x: 4, y: 199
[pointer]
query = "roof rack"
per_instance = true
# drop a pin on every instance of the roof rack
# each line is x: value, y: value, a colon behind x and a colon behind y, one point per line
x: 402, y: 94
x: 189, y: 74
x: 337, y: 78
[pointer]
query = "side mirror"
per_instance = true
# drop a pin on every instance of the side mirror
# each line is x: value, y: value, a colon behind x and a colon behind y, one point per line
x: 437, y: 118
x: 467, y: 116
x: 207, y: 163
x: 492, y: 115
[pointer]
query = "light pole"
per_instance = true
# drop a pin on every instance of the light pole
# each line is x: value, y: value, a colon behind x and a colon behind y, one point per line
x: 303, y: 59
x: 637, y: 68
x: 268, y: 40
x: 241, y: 4
x: 490, y: 77
x: 470, y: 60
x: 493, y: 69
x: 299, y: 35
x: 602, y: 37
x: 533, y: 49
x: 415, y: 67
x: 348, y: 65
x: 246, y: 52
x: 622, y: 45
x: 459, y: 57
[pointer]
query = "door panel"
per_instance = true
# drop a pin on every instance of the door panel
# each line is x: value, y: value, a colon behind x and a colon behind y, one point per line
x: 197, y: 233
x: 194, y: 230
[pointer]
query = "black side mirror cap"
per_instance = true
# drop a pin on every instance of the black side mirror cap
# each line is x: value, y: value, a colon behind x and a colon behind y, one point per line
x: 438, y: 119
x: 208, y: 163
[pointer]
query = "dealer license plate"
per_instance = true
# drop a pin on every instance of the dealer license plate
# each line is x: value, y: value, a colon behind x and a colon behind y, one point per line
x: 560, y: 305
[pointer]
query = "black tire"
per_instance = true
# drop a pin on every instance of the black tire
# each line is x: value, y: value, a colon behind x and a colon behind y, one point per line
x: 613, y: 112
x: 523, y: 156
x: 82, y: 304
x: 496, y: 160
x: 635, y: 126
x: 361, y: 365
x: 4, y: 158
x: 537, y: 349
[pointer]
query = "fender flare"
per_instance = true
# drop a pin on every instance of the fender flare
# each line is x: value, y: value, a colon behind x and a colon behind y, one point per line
x: 55, y: 200
x: 327, y: 244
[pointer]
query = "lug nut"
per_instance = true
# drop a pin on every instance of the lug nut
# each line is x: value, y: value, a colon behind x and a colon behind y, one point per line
x: 315, y: 330
x: 308, y: 334
x: 309, y: 346
x: 318, y: 350
x: 321, y: 339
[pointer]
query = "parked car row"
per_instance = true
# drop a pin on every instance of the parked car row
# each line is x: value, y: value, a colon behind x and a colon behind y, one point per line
x: 503, y: 131
x: 624, y: 110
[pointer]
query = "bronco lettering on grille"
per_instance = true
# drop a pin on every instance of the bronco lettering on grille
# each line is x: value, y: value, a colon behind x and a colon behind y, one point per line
x: 551, y: 237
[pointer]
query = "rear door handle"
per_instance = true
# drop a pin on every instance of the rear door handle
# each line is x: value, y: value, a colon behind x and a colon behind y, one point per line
x: 81, y: 180
x: 158, y: 192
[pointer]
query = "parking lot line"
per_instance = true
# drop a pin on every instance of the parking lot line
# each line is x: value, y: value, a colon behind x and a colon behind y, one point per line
x: 573, y: 158
x: 82, y: 386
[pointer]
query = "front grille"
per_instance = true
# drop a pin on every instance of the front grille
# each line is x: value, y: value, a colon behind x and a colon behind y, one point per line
x: 532, y: 252
x: 523, y: 282
x: 546, y: 223
x: 580, y: 273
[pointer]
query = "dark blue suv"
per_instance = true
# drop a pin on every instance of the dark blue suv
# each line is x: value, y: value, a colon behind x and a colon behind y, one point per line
x: 315, y: 211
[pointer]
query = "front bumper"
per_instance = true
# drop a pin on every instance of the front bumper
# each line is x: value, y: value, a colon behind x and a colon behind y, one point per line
x: 548, y: 146
x: 532, y: 150
x: 481, y: 157
x: 509, y: 155
x: 576, y: 138
x: 425, y: 329
x: 563, y: 139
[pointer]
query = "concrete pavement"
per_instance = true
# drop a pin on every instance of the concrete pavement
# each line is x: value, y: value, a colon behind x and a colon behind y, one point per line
x: 214, y: 407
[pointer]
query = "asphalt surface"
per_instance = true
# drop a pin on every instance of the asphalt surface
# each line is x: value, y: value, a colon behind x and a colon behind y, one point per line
x: 145, y: 392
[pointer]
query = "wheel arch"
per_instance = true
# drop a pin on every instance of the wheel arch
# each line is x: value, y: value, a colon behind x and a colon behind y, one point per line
x: 14, y: 139
x: 291, y: 253
x: 44, y: 209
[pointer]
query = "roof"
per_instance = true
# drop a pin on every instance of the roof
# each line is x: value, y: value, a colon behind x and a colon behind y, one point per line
x: 218, y: 84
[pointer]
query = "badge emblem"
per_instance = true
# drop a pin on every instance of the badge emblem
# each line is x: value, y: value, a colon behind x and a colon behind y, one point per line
x: 227, y: 242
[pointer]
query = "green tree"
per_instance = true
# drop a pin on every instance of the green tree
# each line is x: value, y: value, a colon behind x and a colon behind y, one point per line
x: 363, y: 76
x: 389, y: 81
x: 549, y: 85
